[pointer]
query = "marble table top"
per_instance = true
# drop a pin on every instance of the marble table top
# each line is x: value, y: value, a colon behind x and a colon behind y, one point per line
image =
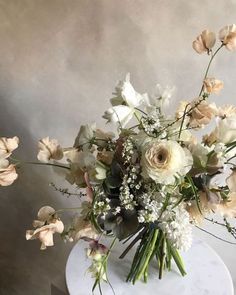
x: 206, y: 274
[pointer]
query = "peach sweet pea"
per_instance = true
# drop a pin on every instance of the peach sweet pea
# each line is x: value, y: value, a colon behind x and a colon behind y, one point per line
x: 204, y: 42
x: 7, y: 146
x: 212, y: 85
x: 227, y: 35
x: 47, y: 224
x: 49, y: 149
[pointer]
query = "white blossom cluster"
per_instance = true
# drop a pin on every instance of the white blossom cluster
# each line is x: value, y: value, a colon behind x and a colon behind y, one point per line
x: 126, y: 196
x: 150, y: 125
x: 128, y: 150
x: 102, y: 207
x: 152, y: 206
x: 176, y: 225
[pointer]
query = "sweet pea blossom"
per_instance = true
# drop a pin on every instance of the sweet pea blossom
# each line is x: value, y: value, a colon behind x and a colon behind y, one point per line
x: 204, y: 42
x: 227, y: 36
x: 124, y: 103
x: 212, y: 85
x: 49, y: 149
x: 7, y: 146
x: 7, y: 173
x: 47, y: 225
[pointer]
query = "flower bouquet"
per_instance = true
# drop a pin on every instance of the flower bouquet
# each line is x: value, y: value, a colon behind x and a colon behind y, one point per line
x: 149, y: 184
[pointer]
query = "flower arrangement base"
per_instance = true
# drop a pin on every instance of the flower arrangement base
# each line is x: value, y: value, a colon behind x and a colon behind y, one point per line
x: 206, y: 274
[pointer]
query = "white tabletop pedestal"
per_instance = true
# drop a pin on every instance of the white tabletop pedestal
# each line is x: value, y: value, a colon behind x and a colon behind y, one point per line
x: 206, y: 274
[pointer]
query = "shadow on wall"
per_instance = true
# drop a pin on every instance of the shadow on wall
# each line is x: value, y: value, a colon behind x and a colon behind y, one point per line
x: 24, y: 267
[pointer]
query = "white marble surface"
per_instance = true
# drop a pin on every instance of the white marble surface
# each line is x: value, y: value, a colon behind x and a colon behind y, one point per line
x: 206, y: 274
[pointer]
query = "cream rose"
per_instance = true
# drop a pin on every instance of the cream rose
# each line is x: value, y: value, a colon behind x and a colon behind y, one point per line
x: 164, y: 161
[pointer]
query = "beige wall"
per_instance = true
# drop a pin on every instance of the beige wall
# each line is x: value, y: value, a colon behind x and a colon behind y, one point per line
x: 59, y: 63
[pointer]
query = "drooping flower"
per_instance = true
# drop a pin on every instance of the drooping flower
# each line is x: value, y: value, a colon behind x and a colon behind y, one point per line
x: 49, y: 149
x: 47, y: 225
x: 7, y: 146
x: 227, y: 36
x: 204, y: 42
x: 212, y: 85
x: 45, y: 233
x: 164, y: 161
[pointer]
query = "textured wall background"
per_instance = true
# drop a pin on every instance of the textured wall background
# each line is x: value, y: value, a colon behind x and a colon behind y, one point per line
x: 59, y: 63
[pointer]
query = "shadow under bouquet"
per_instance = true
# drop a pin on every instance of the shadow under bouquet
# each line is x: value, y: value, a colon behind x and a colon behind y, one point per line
x: 151, y: 183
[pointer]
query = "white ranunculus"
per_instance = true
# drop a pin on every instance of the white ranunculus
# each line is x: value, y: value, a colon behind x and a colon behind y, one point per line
x: 225, y: 131
x: 164, y: 161
x: 7, y: 146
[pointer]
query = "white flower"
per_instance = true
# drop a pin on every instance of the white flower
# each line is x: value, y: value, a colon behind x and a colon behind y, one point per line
x: 85, y: 135
x: 225, y: 131
x: 80, y: 163
x: 49, y: 149
x: 160, y: 99
x: 119, y: 114
x: 124, y: 104
x: 176, y: 225
x: 7, y: 146
x: 164, y: 161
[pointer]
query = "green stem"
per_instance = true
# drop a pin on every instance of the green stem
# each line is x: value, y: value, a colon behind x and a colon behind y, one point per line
x: 47, y: 164
x: 151, y: 247
x: 208, y: 67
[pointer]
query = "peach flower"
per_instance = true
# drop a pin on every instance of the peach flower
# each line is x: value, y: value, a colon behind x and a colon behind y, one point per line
x: 226, y: 111
x: 204, y: 42
x: 212, y: 85
x: 202, y: 114
x: 7, y: 173
x: 227, y: 35
x: 49, y: 149
x: 47, y: 224
x: 7, y: 146
x: 228, y: 208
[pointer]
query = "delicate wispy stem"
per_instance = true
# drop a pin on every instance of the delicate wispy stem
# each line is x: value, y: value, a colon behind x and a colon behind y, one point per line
x: 215, y: 236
